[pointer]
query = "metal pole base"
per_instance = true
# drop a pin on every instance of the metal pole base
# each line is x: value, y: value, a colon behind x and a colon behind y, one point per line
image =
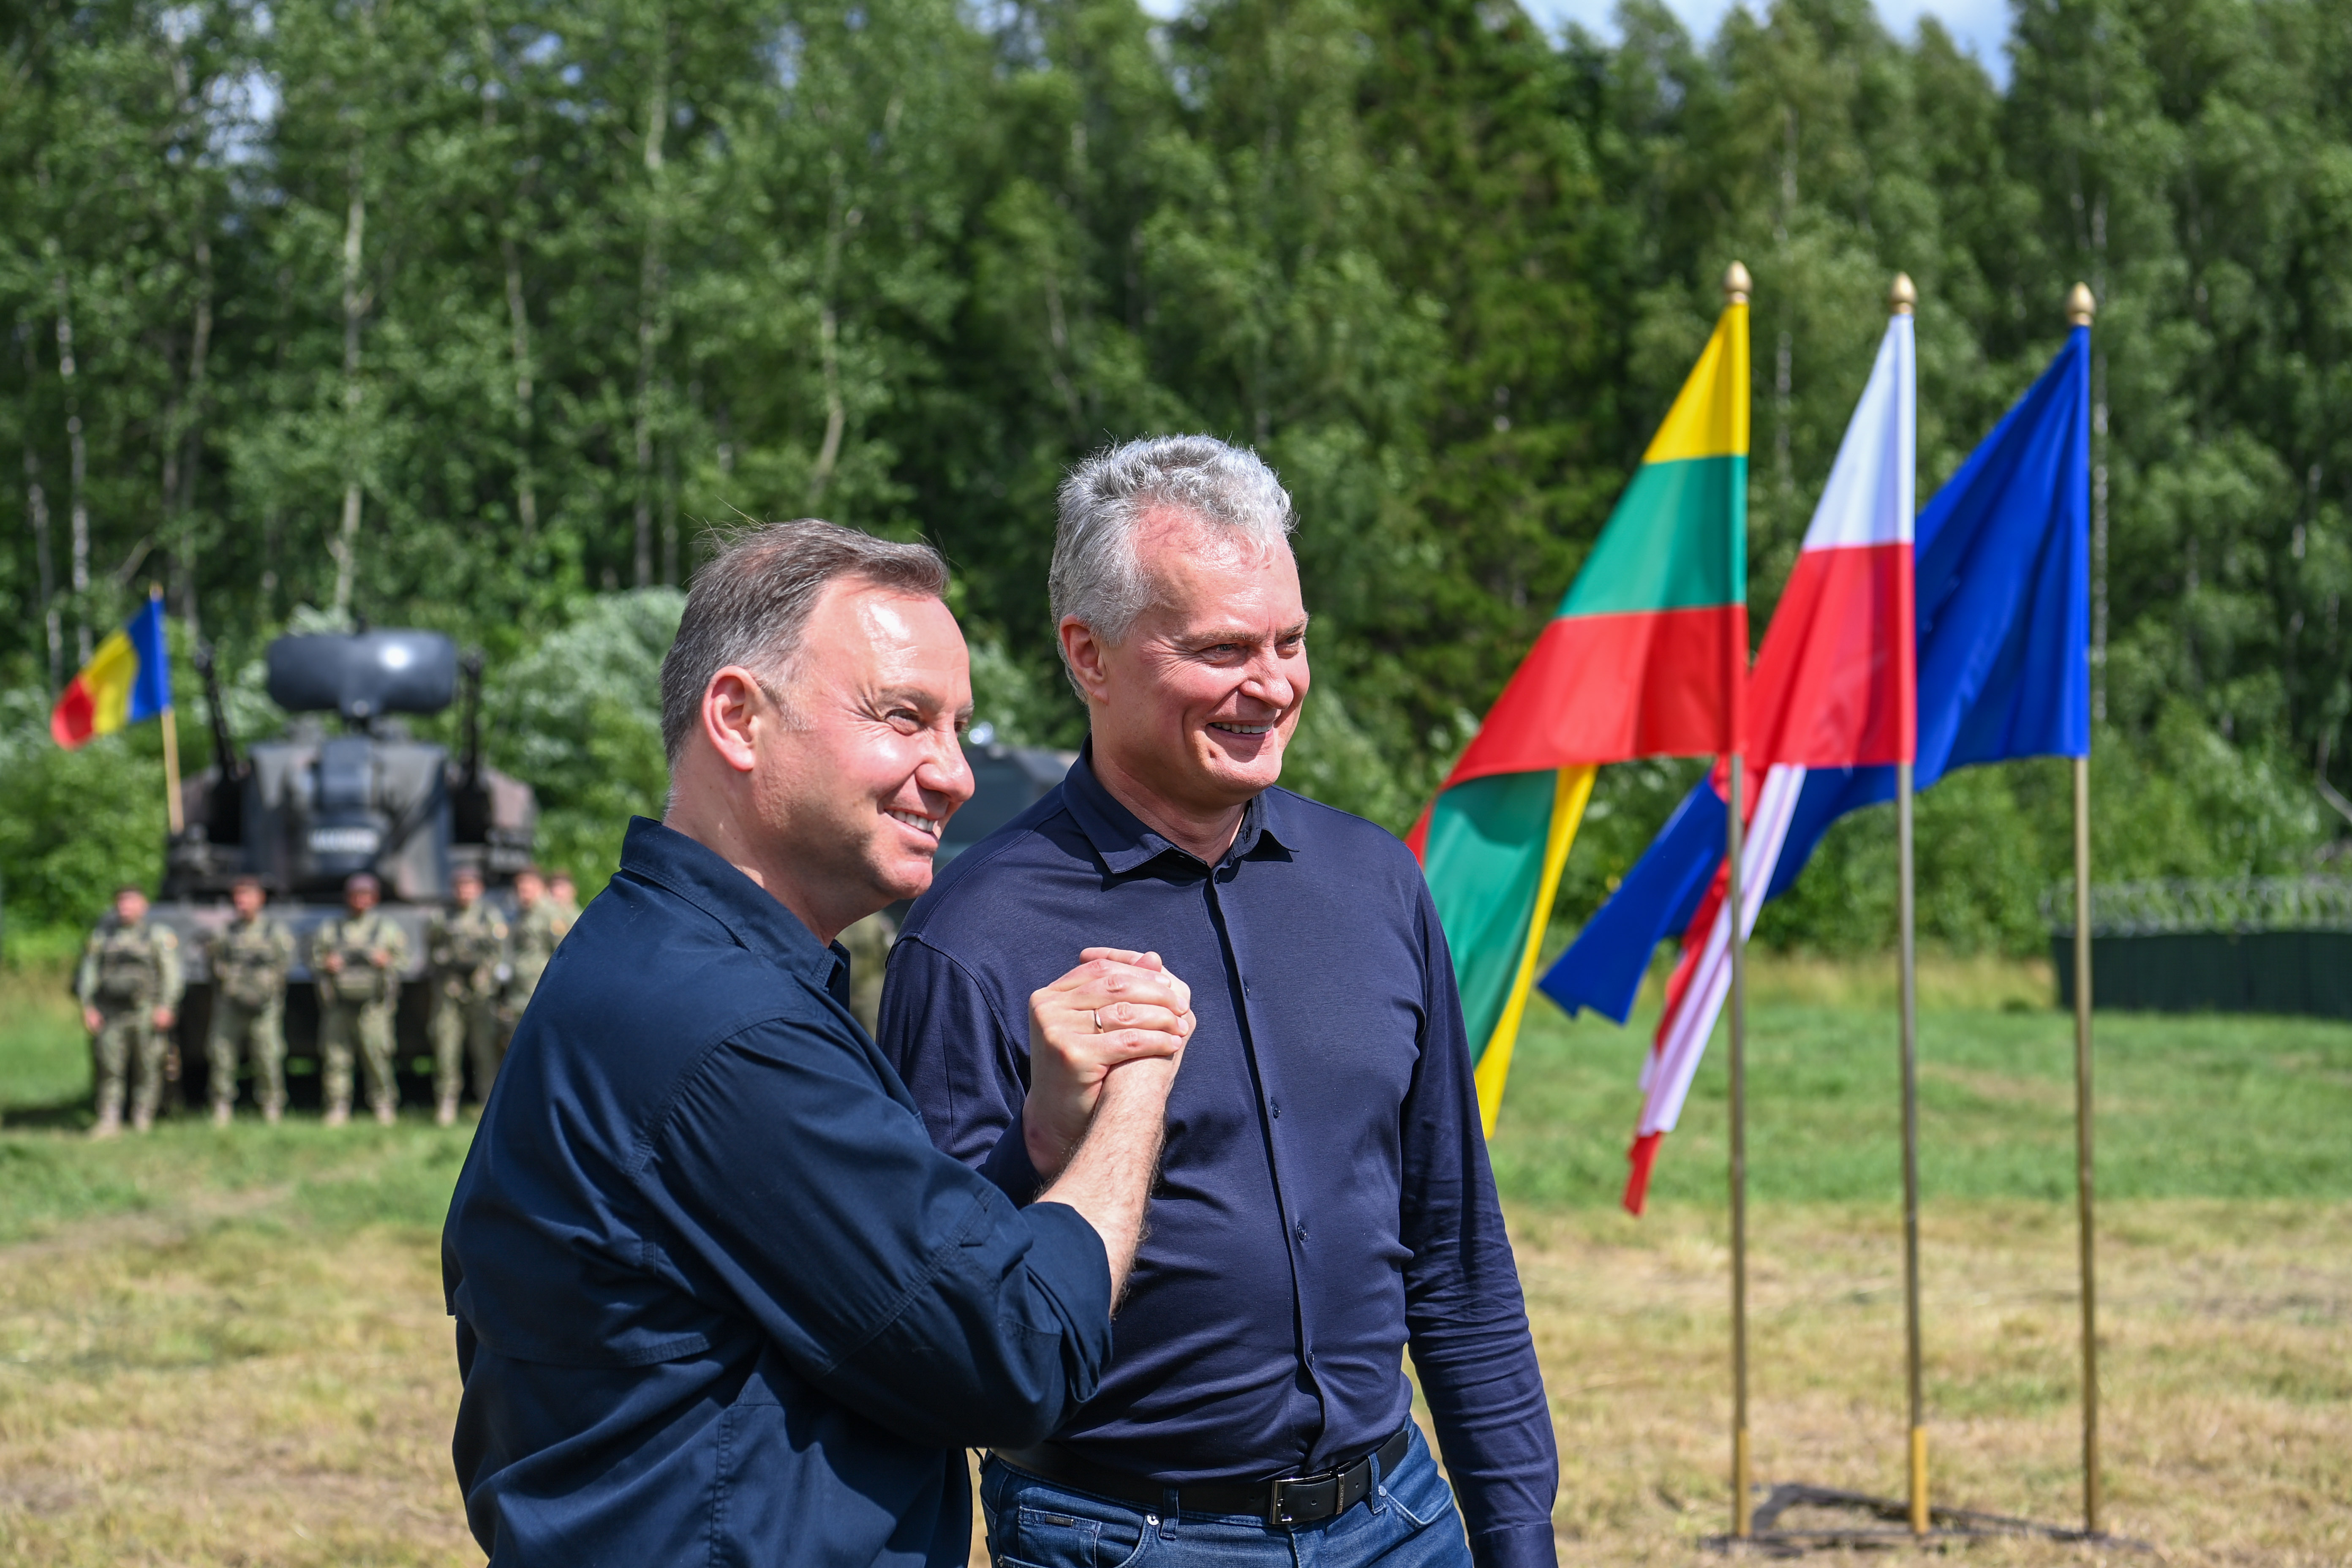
x: 1890, y: 1526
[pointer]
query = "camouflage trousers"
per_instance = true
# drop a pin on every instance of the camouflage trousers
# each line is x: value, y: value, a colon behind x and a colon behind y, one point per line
x: 128, y: 1041
x: 259, y: 1033
x: 368, y: 1025
x: 465, y: 1025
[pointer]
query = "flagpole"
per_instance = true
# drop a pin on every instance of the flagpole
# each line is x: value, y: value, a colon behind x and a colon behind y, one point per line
x: 1739, y: 1064
x: 173, y: 817
x: 2080, y: 306
x: 1902, y: 300
x: 1736, y: 287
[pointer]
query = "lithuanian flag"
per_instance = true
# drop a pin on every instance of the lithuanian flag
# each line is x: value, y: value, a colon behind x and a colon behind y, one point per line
x: 126, y: 681
x: 1647, y: 656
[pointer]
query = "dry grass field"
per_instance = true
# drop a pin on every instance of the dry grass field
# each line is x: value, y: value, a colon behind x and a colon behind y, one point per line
x: 228, y: 1349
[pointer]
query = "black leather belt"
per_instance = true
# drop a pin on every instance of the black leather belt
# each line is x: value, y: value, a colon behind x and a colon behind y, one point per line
x: 1289, y: 1499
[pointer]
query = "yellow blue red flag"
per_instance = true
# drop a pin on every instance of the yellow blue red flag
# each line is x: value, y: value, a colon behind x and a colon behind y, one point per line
x: 126, y: 682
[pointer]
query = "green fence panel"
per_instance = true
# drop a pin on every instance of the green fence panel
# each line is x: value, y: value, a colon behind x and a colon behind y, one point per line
x: 2285, y: 972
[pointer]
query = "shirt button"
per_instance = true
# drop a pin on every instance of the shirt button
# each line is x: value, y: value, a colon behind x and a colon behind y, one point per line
x: 1274, y: 1107
x: 1299, y: 1230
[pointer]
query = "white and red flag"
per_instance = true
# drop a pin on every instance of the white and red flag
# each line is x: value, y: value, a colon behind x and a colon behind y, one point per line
x: 1835, y: 686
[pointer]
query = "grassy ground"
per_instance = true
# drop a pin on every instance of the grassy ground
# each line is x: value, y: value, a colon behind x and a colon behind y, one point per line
x: 229, y: 1348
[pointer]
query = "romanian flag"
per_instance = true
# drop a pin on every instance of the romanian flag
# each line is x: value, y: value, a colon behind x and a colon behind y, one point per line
x: 126, y: 681
x: 1647, y: 656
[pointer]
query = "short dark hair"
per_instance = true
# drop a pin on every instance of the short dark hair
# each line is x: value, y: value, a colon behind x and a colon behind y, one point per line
x: 123, y: 888
x: 752, y: 602
x: 246, y: 880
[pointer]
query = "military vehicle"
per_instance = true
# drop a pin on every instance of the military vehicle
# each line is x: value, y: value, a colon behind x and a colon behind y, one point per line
x: 306, y: 810
x: 1007, y: 780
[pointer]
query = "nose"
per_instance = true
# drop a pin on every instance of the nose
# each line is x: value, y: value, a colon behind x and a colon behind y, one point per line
x: 943, y: 770
x: 1267, y: 682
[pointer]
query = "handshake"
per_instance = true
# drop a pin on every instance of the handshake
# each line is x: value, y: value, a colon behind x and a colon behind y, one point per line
x: 1105, y: 1043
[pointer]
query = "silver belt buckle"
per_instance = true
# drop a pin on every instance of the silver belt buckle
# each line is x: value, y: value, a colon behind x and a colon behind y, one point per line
x: 1278, y: 1510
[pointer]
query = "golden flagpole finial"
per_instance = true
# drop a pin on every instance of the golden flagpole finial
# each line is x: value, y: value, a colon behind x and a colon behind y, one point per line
x: 1737, y: 285
x: 1902, y: 296
x: 2080, y: 306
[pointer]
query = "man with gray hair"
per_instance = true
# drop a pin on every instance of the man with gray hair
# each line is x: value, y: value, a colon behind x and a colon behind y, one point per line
x: 1325, y: 1203
x: 717, y: 1297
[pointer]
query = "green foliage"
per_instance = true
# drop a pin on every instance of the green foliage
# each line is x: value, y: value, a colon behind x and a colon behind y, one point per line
x: 74, y: 826
x: 580, y: 717
x: 460, y: 314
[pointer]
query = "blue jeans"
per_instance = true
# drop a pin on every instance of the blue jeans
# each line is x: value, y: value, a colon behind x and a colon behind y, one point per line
x: 1408, y: 1521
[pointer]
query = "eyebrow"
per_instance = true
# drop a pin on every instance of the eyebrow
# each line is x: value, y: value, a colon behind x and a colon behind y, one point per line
x: 1239, y: 634
x: 914, y: 695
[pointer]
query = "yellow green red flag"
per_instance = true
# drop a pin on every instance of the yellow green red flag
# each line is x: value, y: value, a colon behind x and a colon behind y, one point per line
x: 1647, y: 656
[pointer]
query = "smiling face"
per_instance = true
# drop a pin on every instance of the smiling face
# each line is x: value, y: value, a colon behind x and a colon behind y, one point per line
x: 1198, y: 702
x: 859, y: 767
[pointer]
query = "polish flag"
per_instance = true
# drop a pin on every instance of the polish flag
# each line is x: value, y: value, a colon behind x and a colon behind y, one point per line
x: 1834, y: 686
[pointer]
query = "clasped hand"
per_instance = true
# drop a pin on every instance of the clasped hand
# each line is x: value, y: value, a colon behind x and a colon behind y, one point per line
x: 1117, y: 1011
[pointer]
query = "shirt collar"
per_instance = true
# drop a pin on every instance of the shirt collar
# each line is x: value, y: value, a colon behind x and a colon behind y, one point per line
x: 1124, y: 841
x: 670, y: 860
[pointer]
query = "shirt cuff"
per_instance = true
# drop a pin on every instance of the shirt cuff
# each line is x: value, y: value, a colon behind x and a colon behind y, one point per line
x: 1070, y: 1262
x: 1009, y: 1168
x: 1520, y: 1546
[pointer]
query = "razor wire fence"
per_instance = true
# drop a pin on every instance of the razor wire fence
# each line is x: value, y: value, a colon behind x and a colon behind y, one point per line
x: 2241, y: 905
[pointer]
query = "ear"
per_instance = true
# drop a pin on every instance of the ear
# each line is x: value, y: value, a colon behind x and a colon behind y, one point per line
x: 732, y: 707
x: 1084, y: 652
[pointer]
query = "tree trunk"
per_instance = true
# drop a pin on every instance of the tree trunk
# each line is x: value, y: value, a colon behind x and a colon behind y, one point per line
x: 828, y: 341
x: 180, y: 502
x: 36, y: 513
x: 78, y: 454
x: 355, y: 304
x: 517, y: 314
x: 670, y: 494
x: 519, y: 317
x: 651, y: 306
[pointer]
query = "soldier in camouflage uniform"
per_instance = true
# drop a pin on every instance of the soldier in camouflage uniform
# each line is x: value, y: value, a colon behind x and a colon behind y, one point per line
x: 130, y: 984
x: 357, y: 961
x: 564, y: 894
x: 869, y: 942
x: 464, y: 946
x: 249, y: 961
x: 539, y: 927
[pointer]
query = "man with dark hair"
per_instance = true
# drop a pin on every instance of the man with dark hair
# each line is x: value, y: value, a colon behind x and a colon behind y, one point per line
x: 717, y: 1297
x: 129, y: 983
x: 1327, y: 1204
x: 250, y: 959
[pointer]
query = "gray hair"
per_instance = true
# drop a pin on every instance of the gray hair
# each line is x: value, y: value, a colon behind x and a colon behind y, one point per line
x: 752, y: 602
x: 1098, y: 575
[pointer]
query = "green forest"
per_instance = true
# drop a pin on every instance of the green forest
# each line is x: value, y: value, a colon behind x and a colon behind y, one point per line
x: 481, y: 314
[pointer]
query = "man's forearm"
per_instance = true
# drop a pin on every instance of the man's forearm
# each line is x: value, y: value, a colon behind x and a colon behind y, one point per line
x: 1109, y: 1177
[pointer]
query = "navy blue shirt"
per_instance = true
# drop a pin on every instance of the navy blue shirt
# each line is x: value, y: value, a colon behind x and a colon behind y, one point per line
x: 1325, y: 1197
x: 717, y: 1297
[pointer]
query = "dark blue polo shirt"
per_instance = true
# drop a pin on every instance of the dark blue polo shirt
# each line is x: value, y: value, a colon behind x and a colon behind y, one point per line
x: 1326, y: 1197
x: 717, y: 1297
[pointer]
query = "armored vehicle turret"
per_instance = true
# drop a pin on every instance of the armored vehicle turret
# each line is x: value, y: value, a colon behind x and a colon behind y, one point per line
x: 346, y: 789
